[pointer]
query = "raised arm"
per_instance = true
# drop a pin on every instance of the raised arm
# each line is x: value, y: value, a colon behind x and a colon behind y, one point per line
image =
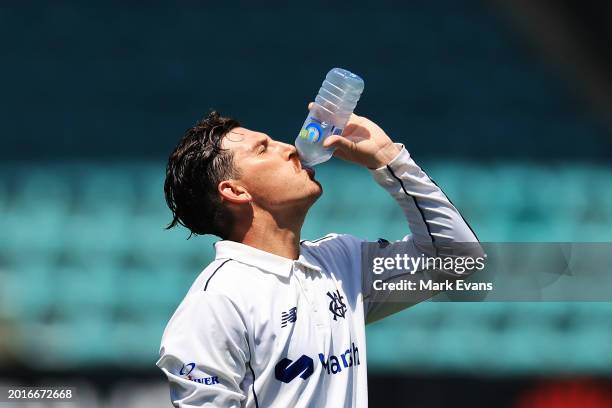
x: 436, y: 226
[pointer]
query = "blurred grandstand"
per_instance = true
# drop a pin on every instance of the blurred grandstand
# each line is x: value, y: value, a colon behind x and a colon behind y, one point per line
x: 89, y: 277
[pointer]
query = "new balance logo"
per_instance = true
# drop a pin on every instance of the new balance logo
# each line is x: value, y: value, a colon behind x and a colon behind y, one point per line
x: 336, y: 306
x: 289, y: 317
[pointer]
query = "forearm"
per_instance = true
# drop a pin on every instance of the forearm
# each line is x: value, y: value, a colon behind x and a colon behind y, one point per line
x: 434, y: 221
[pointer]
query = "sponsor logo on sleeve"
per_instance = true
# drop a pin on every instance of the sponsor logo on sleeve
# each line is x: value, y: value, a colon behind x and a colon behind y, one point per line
x: 188, y: 368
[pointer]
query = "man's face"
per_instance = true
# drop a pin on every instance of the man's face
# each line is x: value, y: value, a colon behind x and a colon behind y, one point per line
x: 271, y: 171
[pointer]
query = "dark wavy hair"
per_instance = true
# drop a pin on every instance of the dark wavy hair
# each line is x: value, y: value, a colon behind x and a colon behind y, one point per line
x: 194, y: 170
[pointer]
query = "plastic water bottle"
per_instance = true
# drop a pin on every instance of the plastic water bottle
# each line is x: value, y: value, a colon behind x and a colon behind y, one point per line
x: 331, y: 110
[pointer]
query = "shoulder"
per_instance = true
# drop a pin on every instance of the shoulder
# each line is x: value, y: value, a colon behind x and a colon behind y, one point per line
x: 210, y: 306
x: 332, y: 243
x: 226, y: 287
x: 340, y: 253
x: 226, y: 277
x: 216, y: 293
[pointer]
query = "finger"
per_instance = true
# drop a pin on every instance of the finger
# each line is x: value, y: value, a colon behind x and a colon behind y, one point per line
x: 340, y: 154
x: 338, y: 142
x: 310, y: 105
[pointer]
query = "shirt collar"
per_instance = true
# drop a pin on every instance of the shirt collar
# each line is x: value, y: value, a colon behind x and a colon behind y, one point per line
x: 260, y: 259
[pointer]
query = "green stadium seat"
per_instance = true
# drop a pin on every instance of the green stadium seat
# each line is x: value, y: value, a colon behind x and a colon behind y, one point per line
x: 101, y: 188
x: 26, y: 289
x: 89, y: 288
x: 84, y: 257
x: 70, y: 345
x: 139, y: 340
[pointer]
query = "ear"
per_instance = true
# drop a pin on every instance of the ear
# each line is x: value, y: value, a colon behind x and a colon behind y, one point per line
x: 234, y: 192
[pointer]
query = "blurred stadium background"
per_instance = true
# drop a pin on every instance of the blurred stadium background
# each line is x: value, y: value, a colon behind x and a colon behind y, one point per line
x: 506, y: 104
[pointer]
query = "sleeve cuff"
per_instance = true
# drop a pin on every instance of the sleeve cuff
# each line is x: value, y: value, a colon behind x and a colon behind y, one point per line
x: 383, y: 176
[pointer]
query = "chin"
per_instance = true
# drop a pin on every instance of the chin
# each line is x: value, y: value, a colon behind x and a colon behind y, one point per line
x: 311, y: 194
x: 317, y: 187
x: 316, y: 192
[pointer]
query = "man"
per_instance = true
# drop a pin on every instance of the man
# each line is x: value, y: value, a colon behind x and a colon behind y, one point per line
x: 272, y: 321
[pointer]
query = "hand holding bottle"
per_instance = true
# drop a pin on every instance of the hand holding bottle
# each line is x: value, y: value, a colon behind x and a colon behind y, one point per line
x: 328, y: 115
x: 363, y: 142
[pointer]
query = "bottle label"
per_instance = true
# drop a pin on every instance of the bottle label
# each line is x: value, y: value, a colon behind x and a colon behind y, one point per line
x: 315, y: 131
x: 312, y: 132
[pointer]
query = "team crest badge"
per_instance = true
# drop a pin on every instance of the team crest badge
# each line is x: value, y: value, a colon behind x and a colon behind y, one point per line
x: 336, y: 305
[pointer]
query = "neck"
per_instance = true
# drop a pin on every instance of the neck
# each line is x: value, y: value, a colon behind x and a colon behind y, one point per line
x: 276, y: 235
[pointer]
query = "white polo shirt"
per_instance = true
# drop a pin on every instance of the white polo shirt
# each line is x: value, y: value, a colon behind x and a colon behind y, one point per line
x: 260, y: 330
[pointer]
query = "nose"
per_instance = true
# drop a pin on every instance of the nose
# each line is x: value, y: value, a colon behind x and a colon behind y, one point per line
x: 288, y: 150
